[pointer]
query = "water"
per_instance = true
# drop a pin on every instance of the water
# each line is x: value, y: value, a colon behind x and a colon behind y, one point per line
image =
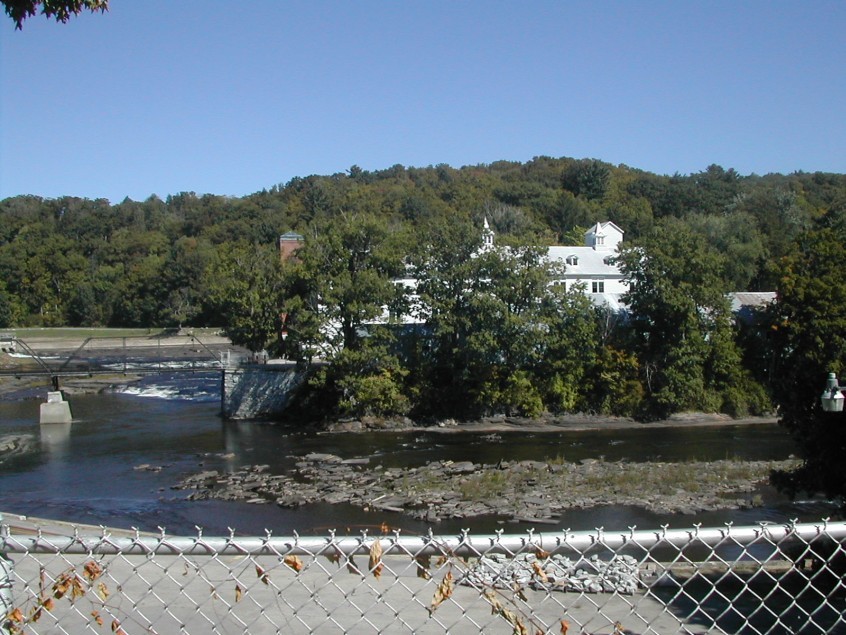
x: 89, y: 472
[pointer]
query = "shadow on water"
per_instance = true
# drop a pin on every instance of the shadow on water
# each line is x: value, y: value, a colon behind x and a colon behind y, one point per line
x: 733, y: 602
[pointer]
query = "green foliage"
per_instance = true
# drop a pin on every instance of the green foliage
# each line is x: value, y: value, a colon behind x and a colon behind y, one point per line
x: 497, y: 335
x: 5, y: 307
x: 342, y: 279
x: 245, y: 287
x: 681, y: 319
x: 617, y: 389
x: 365, y: 381
x: 61, y: 10
x: 521, y: 397
x: 588, y: 179
x: 809, y: 332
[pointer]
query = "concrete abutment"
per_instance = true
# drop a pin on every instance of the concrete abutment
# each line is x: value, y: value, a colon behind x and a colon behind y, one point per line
x: 262, y: 390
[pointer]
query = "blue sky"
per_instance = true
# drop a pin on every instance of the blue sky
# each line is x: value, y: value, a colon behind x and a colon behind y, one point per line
x: 229, y: 97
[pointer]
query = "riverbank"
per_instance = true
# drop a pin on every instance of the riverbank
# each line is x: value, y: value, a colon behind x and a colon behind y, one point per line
x: 545, y: 423
x: 524, y: 491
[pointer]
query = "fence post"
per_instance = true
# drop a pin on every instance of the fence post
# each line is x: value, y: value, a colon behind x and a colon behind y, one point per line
x: 6, y: 599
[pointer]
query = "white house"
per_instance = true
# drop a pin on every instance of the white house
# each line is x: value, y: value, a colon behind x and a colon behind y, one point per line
x: 593, y: 265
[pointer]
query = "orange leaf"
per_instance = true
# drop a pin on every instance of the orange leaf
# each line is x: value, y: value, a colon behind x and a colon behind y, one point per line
x: 35, y: 614
x: 77, y: 590
x: 117, y: 629
x: 509, y: 616
x: 294, y: 562
x: 375, y: 562
x: 518, y: 591
x: 48, y: 604
x: 97, y: 618
x: 61, y: 586
x: 423, y: 563
x: 442, y: 592
x: 565, y: 626
x: 334, y: 556
x: 103, y: 590
x: 496, y: 605
x: 16, y: 616
x: 238, y: 593
x: 262, y: 575
x: 92, y: 570
x: 539, y: 572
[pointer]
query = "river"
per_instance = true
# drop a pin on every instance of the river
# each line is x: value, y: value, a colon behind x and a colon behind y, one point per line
x: 116, y: 463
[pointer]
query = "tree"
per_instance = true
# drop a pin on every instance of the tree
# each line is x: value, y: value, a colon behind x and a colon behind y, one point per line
x: 245, y: 288
x: 681, y: 319
x: 62, y: 10
x: 182, y: 291
x: 809, y: 332
x: 340, y: 281
x: 337, y: 290
x: 588, y: 178
x: 737, y: 236
x: 5, y: 306
x: 445, y: 271
x: 493, y: 327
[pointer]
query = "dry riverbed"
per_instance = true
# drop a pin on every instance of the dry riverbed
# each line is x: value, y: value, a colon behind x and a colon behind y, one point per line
x: 528, y: 491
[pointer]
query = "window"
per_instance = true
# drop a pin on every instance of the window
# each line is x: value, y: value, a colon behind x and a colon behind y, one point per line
x: 598, y: 286
x: 572, y: 260
x: 600, y: 240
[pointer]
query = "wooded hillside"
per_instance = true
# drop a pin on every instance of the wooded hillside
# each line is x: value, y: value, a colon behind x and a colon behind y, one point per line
x: 72, y: 261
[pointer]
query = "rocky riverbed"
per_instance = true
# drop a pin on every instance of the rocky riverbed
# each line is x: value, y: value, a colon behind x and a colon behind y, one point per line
x: 526, y: 491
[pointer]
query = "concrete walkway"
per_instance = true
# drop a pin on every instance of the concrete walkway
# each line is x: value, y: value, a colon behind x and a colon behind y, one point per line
x: 200, y: 595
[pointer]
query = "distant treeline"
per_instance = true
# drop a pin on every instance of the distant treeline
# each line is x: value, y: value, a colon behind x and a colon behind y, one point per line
x: 73, y: 261
x: 495, y: 337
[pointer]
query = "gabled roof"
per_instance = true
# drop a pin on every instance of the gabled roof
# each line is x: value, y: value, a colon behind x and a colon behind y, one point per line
x: 600, y: 227
x: 591, y: 261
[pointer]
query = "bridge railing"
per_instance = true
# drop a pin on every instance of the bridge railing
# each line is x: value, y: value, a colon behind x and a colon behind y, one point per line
x: 128, y: 354
x: 768, y: 578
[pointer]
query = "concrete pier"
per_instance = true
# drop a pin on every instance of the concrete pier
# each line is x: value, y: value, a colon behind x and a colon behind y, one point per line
x: 56, y: 410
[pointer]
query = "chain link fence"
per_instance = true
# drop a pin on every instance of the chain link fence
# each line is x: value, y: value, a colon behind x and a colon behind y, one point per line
x: 761, y: 579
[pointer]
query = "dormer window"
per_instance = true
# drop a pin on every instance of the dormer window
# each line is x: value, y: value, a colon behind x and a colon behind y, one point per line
x: 608, y: 260
x: 572, y: 260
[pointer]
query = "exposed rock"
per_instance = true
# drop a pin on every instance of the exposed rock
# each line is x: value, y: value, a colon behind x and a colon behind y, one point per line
x: 620, y: 574
x: 526, y: 491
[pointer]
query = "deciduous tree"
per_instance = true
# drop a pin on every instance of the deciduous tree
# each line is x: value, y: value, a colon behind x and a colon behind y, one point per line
x: 810, y: 340
x: 681, y: 319
x: 245, y: 287
x: 61, y: 10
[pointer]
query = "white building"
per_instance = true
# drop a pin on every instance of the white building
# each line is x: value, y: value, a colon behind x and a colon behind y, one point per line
x: 593, y: 265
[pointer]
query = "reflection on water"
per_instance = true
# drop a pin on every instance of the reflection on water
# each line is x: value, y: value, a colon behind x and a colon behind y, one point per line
x: 55, y: 438
x: 116, y: 463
